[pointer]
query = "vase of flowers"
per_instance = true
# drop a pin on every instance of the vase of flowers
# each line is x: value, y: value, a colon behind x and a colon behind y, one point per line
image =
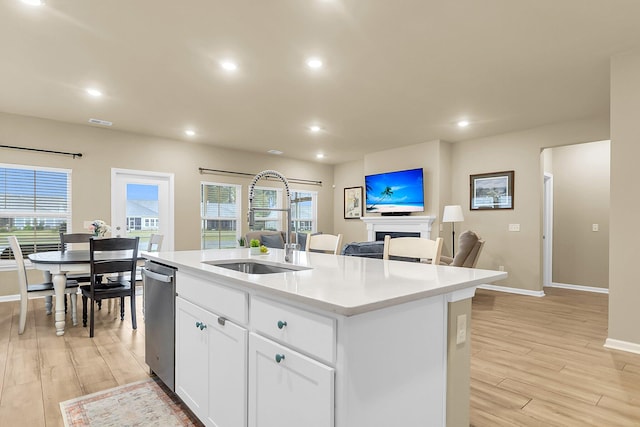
x: 99, y: 228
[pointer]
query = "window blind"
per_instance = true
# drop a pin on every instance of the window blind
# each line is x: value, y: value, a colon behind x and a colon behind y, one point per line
x: 220, y: 214
x: 35, y: 206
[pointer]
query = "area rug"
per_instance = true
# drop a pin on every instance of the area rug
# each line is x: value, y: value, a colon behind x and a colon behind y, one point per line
x: 143, y: 403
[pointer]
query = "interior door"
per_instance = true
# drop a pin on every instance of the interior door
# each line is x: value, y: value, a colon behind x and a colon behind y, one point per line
x: 142, y: 203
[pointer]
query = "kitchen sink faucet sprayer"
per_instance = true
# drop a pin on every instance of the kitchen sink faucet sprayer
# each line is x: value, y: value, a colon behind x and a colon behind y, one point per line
x: 288, y: 247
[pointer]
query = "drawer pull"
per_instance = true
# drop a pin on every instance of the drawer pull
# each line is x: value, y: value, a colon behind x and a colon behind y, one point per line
x: 279, y: 357
x: 281, y: 324
x: 201, y: 325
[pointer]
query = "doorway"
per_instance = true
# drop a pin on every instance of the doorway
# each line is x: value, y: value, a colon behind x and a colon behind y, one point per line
x: 547, y: 231
x: 142, y: 203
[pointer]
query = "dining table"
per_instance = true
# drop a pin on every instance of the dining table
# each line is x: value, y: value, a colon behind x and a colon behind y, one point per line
x: 58, y: 264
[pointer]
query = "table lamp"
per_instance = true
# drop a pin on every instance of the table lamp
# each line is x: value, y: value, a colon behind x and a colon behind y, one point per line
x: 453, y: 214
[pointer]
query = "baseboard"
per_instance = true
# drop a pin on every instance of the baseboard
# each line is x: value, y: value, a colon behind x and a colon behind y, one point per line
x: 7, y: 298
x: 512, y: 290
x: 578, y: 288
x: 622, y: 345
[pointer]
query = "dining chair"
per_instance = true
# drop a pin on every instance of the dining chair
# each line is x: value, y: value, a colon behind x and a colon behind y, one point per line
x: 155, y: 243
x: 413, y: 247
x: 118, y: 256
x: 327, y: 243
x: 40, y: 290
x: 76, y: 238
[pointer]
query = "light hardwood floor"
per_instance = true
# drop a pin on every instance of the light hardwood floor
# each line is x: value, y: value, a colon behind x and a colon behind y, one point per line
x: 39, y: 369
x: 541, y: 362
x: 535, y: 362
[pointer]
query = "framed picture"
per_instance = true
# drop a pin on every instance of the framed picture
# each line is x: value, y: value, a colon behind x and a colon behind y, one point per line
x: 352, y: 202
x: 491, y: 191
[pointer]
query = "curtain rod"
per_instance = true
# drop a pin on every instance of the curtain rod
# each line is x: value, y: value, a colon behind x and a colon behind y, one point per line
x: 39, y: 150
x: 294, y: 180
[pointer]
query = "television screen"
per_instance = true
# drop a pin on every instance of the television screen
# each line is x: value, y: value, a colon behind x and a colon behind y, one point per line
x: 395, y: 192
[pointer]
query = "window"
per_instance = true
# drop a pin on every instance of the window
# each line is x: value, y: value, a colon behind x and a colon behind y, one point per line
x: 35, y: 206
x: 265, y: 197
x: 220, y: 215
x: 304, y: 211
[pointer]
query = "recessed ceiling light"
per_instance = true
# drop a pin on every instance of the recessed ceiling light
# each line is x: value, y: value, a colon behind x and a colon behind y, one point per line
x: 463, y: 123
x: 33, y: 2
x: 94, y: 92
x: 319, y: 156
x: 229, y: 65
x: 276, y: 152
x: 314, y: 63
x: 315, y: 128
x: 190, y: 132
x: 100, y: 122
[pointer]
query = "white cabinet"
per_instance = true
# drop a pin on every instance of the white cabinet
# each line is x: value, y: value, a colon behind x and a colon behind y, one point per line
x: 286, y: 388
x: 211, y: 365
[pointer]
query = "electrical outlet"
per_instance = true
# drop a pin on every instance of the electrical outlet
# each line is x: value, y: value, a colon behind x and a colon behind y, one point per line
x: 514, y: 227
x: 501, y: 268
x: 461, y: 329
x: 595, y: 227
x: 441, y: 227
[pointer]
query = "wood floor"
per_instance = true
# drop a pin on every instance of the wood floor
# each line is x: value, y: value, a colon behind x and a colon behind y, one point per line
x: 535, y: 362
x: 540, y: 362
x: 39, y: 369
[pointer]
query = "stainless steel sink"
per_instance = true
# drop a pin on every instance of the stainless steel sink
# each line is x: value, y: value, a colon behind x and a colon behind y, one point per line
x: 255, y: 267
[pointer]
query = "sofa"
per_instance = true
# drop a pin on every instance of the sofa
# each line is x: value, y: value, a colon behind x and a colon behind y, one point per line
x: 270, y: 239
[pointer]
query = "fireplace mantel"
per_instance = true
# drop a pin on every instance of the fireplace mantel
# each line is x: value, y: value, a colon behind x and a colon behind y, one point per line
x: 409, y: 224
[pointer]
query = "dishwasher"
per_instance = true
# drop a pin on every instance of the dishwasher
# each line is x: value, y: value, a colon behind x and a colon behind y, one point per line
x: 159, y: 302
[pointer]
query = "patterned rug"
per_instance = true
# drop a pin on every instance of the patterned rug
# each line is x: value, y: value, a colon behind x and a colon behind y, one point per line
x: 143, y: 403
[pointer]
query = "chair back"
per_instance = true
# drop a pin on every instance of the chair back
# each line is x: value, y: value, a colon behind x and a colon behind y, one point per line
x: 324, y: 243
x: 74, y: 238
x: 155, y: 243
x: 469, y: 247
x: 22, y: 271
x: 413, y: 247
x: 117, y: 255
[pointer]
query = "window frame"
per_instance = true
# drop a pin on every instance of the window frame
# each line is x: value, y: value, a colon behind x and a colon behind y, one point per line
x: 314, y: 210
x: 10, y: 264
x: 280, y: 195
x: 204, y: 218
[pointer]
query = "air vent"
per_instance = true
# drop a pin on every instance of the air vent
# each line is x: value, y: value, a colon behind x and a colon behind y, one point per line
x: 100, y: 122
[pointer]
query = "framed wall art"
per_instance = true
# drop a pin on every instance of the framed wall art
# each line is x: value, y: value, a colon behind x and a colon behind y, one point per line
x: 352, y: 202
x: 491, y: 191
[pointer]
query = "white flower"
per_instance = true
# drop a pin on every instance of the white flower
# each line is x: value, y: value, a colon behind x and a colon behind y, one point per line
x: 99, y: 228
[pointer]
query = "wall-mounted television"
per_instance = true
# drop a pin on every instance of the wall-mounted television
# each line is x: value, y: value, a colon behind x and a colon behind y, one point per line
x: 395, y: 193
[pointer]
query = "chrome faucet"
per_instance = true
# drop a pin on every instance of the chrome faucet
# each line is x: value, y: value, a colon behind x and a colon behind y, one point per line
x: 288, y: 247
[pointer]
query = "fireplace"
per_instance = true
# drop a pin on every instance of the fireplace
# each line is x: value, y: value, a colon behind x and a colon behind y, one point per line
x: 419, y: 226
x: 380, y: 234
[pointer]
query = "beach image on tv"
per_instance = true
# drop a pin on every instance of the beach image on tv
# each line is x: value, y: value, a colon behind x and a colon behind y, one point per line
x: 393, y: 192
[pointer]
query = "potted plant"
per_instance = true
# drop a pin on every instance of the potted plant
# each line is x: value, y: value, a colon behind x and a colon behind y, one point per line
x: 241, y: 242
x: 255, y: 246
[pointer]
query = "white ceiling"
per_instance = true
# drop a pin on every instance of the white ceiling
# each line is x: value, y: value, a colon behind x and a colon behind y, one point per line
x: 397, y: 72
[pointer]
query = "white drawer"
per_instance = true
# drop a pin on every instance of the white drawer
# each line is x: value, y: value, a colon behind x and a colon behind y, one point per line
x: 306, y: 331
x: 219, y: 299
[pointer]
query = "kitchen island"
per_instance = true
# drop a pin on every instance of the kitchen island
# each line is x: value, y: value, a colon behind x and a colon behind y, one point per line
x: 335, y: 341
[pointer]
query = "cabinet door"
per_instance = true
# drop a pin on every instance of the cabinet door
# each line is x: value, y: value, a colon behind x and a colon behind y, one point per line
x: 286, y: 388
x: 192, y: 352
x: 227, y: 374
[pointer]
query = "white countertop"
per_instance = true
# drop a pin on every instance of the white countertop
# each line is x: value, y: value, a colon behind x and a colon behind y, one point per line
x: 345, y: 285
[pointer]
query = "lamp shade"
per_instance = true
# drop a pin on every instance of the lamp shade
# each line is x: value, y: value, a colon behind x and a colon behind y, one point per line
x: 452, y: 213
